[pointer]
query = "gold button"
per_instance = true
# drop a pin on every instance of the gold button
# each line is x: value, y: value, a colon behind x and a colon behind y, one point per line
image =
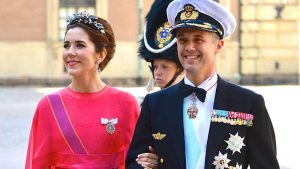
x: 161, y: 160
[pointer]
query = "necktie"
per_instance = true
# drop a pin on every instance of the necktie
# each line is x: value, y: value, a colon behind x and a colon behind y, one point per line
x: 187, y: 90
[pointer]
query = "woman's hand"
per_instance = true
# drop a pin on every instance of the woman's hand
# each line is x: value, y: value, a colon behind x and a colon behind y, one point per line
x: 148, y: 160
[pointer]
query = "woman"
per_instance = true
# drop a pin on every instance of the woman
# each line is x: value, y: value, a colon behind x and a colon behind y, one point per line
x: 88, y: 124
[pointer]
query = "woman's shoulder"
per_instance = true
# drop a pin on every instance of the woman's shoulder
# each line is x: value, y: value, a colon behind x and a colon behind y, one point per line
x: 116, y: 92
x: 122, y: 97
x: 44, y: 101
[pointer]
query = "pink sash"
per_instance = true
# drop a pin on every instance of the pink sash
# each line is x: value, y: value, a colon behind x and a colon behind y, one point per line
x: 65, y: 124
x: 80, y: 159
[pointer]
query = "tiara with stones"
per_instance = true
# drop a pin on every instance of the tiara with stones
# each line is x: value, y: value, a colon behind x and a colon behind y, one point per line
x: 87, y: 19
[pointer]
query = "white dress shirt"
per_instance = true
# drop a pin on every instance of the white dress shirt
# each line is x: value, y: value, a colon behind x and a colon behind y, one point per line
x: 196, y: 130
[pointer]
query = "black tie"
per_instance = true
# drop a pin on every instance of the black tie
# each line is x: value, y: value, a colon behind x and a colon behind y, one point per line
x: 188, y: 90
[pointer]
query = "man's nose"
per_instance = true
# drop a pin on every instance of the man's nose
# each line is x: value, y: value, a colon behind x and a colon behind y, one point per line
x: 190, y: 46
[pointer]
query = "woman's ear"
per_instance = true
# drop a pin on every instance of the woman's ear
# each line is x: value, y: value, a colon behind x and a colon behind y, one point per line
x: 102, y: 55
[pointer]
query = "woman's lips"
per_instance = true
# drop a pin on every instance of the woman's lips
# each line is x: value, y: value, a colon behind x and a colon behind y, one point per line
x: 72, y: 63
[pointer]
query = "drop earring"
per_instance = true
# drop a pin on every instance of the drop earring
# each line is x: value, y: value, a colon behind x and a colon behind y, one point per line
x: 98, y: 66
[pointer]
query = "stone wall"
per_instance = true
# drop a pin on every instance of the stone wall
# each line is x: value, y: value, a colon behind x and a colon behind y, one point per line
x: 269, y: 41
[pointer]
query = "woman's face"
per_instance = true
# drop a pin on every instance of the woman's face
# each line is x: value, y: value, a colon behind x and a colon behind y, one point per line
x: 79, y: 56
x: 164, y: 70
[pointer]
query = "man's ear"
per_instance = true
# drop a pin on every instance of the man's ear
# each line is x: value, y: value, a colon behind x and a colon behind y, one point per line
x: 220, y: 45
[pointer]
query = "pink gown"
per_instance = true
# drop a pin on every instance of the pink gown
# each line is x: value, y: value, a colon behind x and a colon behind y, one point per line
x: 49, y: 148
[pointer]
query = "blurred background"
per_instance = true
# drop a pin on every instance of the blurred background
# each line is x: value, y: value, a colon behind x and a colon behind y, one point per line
x: 263, y: 50
x: 263, y: 54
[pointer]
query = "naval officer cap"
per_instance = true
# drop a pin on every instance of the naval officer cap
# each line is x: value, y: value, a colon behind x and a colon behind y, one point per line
x: 201, y: 14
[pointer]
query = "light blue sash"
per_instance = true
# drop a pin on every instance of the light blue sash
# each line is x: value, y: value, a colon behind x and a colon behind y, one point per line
x: 192, y: 148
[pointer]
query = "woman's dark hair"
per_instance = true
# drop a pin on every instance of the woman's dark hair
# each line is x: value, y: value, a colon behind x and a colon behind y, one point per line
x: 101, y: 39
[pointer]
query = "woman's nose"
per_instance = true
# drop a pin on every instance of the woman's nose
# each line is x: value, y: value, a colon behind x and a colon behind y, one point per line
x: 71, y: 51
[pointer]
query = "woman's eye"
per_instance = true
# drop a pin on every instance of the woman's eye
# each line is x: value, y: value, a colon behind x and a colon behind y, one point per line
x: 80, y: 45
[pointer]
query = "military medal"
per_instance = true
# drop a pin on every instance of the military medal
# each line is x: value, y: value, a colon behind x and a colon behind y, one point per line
x: 110, y: 128
x: 232, y: 118
x: 221, y: 161
x: 110, y: 124
x: 193, y: 110
x: 235, y: 143
x: 236, y: 167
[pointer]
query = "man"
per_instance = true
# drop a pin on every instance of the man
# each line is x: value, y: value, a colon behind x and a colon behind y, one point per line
x: 204, y: 122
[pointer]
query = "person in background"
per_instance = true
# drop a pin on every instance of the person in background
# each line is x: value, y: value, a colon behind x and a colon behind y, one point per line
x: 158, y: 46
x: 204, y: 122
x: 88, y: 124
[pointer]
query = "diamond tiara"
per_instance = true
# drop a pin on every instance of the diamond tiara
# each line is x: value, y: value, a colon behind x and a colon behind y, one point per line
x: 87, y: 19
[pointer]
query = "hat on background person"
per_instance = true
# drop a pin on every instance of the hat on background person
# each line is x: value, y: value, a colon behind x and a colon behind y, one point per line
x: 201, y: 14
x: 158, y: 42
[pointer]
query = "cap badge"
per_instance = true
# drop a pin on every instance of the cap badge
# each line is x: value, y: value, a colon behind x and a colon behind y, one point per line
x: 189, y: 13
x: 235, y: 143
x: 163, y: 35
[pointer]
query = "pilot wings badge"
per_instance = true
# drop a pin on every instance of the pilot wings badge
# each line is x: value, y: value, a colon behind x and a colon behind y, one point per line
x: 159, y: 136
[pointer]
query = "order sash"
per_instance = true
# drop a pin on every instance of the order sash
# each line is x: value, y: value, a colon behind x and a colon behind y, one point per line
x: 65, y: 125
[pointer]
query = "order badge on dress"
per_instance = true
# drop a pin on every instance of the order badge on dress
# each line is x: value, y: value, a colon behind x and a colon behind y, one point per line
x: 222, y: 162
x: 110, y: 124
x: 192, y: 109
x: 235, y: 143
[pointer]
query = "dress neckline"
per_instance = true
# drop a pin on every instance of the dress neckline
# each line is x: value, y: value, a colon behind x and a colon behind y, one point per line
x: 87, y: 96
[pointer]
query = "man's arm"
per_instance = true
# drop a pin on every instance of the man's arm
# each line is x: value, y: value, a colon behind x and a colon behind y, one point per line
x: 261, y: 144
x: 142, y: 137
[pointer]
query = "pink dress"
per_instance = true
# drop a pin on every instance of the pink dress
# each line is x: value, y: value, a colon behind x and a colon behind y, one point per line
x: 88, y: 114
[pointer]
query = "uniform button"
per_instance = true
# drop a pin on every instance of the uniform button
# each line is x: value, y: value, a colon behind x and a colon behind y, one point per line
x: 161, y: 160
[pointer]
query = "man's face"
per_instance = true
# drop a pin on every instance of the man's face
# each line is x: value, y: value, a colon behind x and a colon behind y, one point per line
x: 197, y: 50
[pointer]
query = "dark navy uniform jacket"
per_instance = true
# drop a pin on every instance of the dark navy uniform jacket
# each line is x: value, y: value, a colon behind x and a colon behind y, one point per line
x: 162, y: 113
